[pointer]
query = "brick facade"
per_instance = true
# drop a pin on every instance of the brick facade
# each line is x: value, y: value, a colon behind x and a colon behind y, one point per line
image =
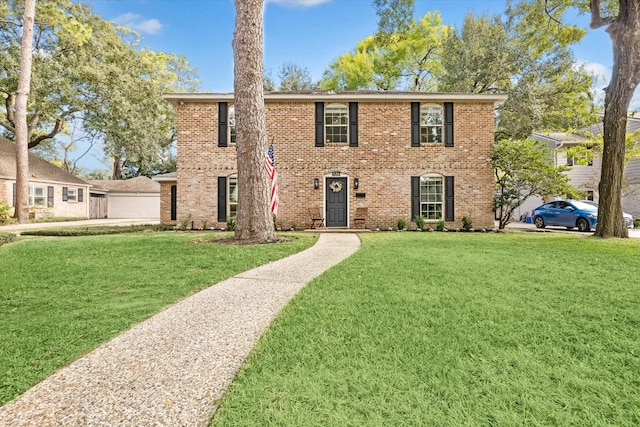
x: 383, y: 162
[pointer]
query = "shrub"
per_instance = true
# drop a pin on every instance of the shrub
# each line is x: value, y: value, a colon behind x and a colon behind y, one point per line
x: 466, y: 223
x: 7, y: 238
x: 419, y: 220
x: 440, y: 225
x: 231, y: 223
x: 401, y: 224
x: 4, y: 213
x: 636, y: 223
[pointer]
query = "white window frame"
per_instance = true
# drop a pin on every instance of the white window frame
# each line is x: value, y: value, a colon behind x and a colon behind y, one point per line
x: 336, y: 118
x: 431, y: 124
x: 231, y: 121
x: 33, y: 197
x: 72, y: 195
x: 232, y: 196
x: 432, y: 197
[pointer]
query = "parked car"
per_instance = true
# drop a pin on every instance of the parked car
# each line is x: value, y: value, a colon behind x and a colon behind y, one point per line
x: 628, y: 218
x: 566, y: 213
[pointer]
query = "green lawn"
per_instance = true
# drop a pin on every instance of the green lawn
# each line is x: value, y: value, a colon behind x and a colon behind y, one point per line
x: 61, y: 297
x: 454, y: 329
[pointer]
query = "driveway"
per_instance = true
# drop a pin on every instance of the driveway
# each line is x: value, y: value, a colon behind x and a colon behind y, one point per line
x: 633, y: 233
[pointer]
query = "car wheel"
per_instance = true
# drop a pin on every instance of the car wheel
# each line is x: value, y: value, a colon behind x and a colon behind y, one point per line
x: 583, y: 225
x: 539, y: 222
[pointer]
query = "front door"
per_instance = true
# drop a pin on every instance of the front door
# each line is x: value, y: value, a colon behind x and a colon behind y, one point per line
x: 336, y: 194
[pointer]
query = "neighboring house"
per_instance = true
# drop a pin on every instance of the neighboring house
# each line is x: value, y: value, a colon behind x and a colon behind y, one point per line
x: 53, y: 192
x: 398, y: 154
x: 586, y: 177
x: 130, y: 198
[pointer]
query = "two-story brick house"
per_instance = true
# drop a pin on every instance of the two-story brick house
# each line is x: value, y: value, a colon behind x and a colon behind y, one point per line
x: 399, y: 154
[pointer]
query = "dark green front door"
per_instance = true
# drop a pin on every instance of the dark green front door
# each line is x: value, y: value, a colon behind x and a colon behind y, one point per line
x: 336, y: 195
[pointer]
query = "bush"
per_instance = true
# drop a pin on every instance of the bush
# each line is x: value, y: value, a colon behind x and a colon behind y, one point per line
x: 401, y: 224
x: 636, y: 223
x: 7, y: 238
x: 231, y: 223
x: 4, y: 213
x: 419, y: 220
x: 466, y: 223
x: 440, y: 226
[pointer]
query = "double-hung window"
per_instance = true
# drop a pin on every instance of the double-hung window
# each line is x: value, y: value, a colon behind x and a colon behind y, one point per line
x: 430, y: 124
x: 431, y: 197
x: 72, y: 195
x: 336, y: 121
x: 232, y: 125
x: 37, y: 195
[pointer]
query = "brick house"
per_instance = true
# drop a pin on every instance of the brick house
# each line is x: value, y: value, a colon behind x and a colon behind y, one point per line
x: 53, y: 192
x: 399, y: 154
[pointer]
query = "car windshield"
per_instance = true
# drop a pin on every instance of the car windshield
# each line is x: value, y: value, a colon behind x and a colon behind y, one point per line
x: 584, y: 206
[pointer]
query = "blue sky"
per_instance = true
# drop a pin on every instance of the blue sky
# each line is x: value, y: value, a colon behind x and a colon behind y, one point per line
x: 310, y: 33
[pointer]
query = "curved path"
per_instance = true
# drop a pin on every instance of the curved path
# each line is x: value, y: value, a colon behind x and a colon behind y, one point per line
x: 171, y: 369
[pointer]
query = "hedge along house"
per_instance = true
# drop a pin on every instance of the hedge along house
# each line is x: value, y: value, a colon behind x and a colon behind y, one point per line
x: 398, y: 154
x: 53, y: 192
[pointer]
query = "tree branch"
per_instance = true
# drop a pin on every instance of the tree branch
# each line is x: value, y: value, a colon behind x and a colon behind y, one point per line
x: 598, y: 21
x: 54, y: 132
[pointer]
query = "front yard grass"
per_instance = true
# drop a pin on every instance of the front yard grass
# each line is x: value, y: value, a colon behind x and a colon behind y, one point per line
x: 60, y: 297
x: 454, y: 329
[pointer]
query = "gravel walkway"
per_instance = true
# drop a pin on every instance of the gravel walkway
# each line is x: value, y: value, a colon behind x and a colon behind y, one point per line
x: 171, y: 369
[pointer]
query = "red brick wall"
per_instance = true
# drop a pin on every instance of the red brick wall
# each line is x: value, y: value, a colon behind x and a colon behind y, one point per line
x: 383, y: 162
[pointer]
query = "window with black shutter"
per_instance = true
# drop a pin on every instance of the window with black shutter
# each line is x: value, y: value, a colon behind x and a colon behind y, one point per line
x: 319, y: 124
x: 353, y: 124
x: 222, y: 198
x: 448, y: 124
x: 222, y: 123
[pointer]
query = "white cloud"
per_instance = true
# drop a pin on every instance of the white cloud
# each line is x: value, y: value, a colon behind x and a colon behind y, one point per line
x: 138, y: 23
x: 602, y: 76
x: 301, y: 3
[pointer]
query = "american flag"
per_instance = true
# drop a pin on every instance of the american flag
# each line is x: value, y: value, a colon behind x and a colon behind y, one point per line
x: 270, y: 167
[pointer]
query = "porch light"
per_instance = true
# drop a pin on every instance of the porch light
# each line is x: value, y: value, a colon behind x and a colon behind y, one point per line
x: 356, y: 183
x: 316, y: 183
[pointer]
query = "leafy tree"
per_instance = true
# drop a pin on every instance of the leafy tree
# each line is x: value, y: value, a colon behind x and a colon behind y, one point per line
x: 295, y: 77
x: 621, y: 19
x: 254, y: 222
x: 524, y: 169
x: 410, y: 58
x: 546, y: 89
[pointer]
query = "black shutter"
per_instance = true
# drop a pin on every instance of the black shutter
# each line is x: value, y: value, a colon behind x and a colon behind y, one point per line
x: 14, y: 194
x: 222, y: 198
x: 174, y: 203
x: 449, y: 214
x: 415, y: 197
x: 50, y: 196
x: 222, y: 123
x: 448, y: 124
x: 65, y: 194
x: 415, y: 124
x: 80, y: 194
x: 319, y: 124
x: 353, y: 124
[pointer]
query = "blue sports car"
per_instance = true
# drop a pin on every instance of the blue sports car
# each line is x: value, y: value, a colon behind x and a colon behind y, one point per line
x: 566, y: 213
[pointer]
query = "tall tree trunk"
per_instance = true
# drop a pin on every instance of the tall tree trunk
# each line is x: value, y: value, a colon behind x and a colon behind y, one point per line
x: 254, y: 222
x: 22, y: 130
x: 624, y: 31
x: 117, y: 168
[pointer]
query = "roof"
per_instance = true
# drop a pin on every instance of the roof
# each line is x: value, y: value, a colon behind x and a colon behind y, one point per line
x: 166, y: 177
x: 386, y: 96
x: 39, y: 168
x: 581, y: 135
x: 139, y: 184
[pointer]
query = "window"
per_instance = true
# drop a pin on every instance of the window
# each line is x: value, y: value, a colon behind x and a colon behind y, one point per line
x: 579, y: 158
x: 72, y: 195
x: 232, y: 197
x: 232, y: 125
x: 37, y: 196
x: 589, y: 195
x: 336, y: 121
x: 431, y: 197
x: 430, y: 124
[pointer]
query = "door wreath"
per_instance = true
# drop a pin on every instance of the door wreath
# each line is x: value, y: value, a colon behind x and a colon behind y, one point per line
x: 335, y: 186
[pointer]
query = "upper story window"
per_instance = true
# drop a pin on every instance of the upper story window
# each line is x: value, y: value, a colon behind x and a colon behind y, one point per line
x: 37, y: 195
x: 579, y: 158
x: 232, y: 124
x: 336, y: 122
x: 432, y: 197
x: 430, y: 124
